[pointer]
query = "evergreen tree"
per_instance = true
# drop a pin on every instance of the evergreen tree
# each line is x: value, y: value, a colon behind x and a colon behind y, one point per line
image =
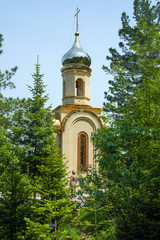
x: 129, y: 148
x: 15, y: 192
x: 32, y: 127
x: 15, y: 195
x: 5, y: 81
x: 54, y: 207
x: 33, y: 134
x: 139, y: 45
x: 6, y: 76
x: 96, y: 213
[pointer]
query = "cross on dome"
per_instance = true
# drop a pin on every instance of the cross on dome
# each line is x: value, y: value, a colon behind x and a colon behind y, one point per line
x: 76, y: 15
x: 76, y: 54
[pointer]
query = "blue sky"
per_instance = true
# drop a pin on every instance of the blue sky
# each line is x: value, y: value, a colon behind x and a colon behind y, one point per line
x: 46, y: 28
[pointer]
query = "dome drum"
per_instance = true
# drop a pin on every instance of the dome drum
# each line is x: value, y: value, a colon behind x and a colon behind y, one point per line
x: 76, y: 67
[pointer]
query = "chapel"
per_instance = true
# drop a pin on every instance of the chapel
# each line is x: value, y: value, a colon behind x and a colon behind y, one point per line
x: 76, y: 120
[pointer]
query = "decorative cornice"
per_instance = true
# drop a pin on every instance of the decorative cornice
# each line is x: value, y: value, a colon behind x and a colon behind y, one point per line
x: 77, y: 97
x: 71, y: 109
x: 78, y: 107
x: 75, y: 66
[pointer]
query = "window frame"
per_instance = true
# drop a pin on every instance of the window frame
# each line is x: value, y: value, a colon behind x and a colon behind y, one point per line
x: 79, y: 165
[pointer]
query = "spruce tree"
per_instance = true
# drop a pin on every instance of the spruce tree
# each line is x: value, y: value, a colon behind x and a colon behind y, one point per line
x: 15, y: 192
x: 41, y: 160
x: 5, y: 82
x: 129, y: 147
x: 32, y: 127
x: 126, y: 64
x: 95, y: 215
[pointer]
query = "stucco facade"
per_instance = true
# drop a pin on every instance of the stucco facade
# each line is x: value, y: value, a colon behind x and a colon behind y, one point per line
x: 76, y: 119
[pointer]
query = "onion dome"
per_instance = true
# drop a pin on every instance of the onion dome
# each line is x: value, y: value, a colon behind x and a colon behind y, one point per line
x: 76, y: 54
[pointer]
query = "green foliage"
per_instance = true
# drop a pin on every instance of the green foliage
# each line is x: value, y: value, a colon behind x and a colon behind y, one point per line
x: 5, y: 150
x: 7, y: 75
x: 52, y: 181
x: 131, y: 165
x: 8, y: 107
x: 96, y: 212
x: 32, y: 170
x: 108, y: 234
x: 6, y: 104
x: 33, y: 127
x: 139, y: 57
x: 49, y: 219
x: 37, y: 231
x: 34, y: 135
x: 15, y: 192
x: 69, y: 232
x: 128, y: 149
x: 54, y: 206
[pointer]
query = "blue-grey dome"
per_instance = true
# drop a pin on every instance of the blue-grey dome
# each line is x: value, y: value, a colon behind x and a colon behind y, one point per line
x: 76, y: 54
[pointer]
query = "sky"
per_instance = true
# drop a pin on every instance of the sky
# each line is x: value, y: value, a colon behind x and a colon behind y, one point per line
x: 46, y: 28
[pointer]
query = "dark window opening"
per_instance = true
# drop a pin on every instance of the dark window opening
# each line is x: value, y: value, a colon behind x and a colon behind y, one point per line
x: 79, y: 87
x: 82, y: 151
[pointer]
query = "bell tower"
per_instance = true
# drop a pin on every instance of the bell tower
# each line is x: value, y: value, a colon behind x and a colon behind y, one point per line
x: 76, y: 84
x: 76, y: 73
x: 76, y: 119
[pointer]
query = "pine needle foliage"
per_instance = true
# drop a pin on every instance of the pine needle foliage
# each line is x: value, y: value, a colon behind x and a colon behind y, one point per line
x: 128, y: 148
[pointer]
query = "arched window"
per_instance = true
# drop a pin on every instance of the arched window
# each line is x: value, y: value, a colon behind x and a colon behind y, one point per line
x: 82, y: 150
x: 79, y: 87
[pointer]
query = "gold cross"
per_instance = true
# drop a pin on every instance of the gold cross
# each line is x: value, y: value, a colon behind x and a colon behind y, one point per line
x: 76, y: 15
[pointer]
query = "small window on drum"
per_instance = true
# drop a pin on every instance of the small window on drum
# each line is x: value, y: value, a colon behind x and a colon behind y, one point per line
x: 64, y: 89
x: 79, y: 87
x: 82, y: 151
